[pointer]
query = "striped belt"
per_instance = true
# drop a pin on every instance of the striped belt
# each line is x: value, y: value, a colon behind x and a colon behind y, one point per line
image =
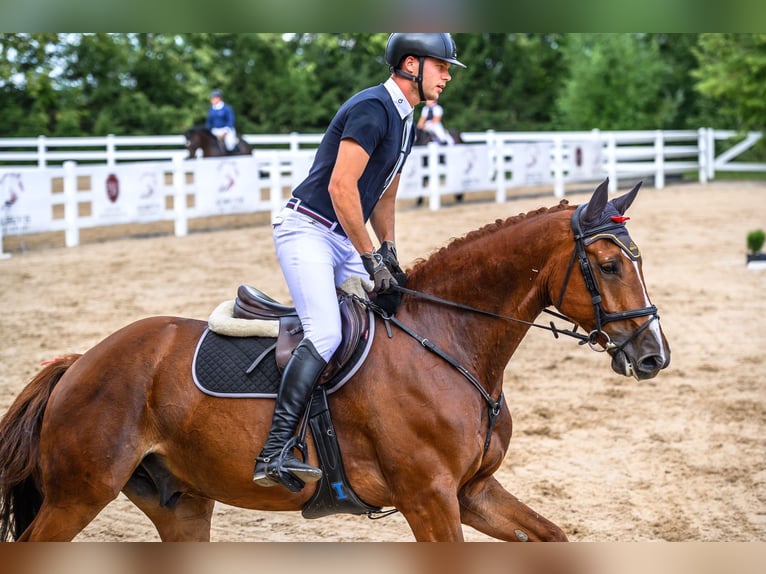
x: 298, y: 205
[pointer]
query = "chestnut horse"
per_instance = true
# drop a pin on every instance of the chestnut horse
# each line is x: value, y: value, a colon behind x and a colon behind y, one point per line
x: 415, y: 434
x: 199, y: 137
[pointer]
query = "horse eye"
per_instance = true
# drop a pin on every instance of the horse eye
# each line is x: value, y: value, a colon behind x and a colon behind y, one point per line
x: 610, y: 268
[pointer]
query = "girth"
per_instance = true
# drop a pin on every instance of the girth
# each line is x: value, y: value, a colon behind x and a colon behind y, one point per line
x: 254, y: 304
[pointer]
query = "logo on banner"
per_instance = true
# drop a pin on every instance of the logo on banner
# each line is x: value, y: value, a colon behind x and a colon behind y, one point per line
x: 148, y: 183
x: 112, y: 187
x: 11, y: 187
x: 229, y: 174
x: 15, y: 217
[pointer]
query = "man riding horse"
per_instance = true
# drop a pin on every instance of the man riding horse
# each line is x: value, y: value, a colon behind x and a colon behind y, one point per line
x: 220, y: 121
x: 320, y: 235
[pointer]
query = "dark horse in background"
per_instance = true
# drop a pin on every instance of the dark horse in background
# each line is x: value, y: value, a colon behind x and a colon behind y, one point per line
x: 424, y: 137
x: 201, y: 138
x: 422, y: 425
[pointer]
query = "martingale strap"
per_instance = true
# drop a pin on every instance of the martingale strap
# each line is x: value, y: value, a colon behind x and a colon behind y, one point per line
x: 493, y: 405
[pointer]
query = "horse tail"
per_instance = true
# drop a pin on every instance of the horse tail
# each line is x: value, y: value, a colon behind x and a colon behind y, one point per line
x: 20, y: 494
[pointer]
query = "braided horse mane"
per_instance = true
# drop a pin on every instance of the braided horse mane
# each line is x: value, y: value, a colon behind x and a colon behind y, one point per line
x: 488, y: 229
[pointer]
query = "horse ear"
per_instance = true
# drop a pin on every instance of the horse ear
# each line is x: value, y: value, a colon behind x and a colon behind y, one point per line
x: 592, y: 213
x: 623, y: 202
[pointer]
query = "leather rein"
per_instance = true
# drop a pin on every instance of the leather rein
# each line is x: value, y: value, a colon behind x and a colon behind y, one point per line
x: 601, y: 315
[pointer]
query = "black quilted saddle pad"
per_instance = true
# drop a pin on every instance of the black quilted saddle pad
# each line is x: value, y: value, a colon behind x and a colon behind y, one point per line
x: 246, y: 367
x: 221, y: 366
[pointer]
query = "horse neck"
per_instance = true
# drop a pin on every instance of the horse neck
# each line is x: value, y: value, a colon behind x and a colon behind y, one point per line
x: 503, y: 268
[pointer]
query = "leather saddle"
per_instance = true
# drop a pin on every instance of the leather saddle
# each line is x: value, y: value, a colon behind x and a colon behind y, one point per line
x: 252, y: 303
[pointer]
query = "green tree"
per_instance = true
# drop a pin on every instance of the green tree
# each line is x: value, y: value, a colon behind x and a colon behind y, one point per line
x: 28, y: 83
x: 142, y: 83
x: 731, y: 74
x: 677, y: 51
x: 511, y: 82
x: 615, y: 82
x: 129, y: 83
x: 333, y: 67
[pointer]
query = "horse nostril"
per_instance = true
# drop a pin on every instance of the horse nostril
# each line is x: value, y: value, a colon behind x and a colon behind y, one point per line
x: 651, y: 363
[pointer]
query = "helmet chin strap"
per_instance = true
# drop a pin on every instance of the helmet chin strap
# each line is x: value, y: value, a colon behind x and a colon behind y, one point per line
x: 418, y: 79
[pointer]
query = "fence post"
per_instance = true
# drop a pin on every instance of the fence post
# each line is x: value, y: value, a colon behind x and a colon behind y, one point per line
x: 41, y: 160
x: 275, y: 177
x: 497, y: 162
x: 434, y: 179
x: 659, y: 160
x: 558, y: 167
x: 702, y: 156
x: 710, y: 154
x: 72, y: 233
x: 595, y: 137
x: 611, y: 161
x: 295, y: 143
x: 181, y: 225
x: 111, y: 155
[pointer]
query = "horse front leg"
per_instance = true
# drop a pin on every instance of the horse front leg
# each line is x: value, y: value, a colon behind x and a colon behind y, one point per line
x: 486, y: 506
x: 432, y: 516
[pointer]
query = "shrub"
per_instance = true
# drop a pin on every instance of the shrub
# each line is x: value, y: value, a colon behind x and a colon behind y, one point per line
x: 755, y: 240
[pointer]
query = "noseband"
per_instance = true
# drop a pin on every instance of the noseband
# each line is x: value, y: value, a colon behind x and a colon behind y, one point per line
x: 581, y: 236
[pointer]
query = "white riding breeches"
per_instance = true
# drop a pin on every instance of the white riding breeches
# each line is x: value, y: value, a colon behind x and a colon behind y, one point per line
x: 314, y: 261
x: 229, y: 136
x: 437, y: 129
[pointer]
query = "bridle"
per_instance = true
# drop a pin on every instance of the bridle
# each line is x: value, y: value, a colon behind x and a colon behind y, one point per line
x: 602, y: 317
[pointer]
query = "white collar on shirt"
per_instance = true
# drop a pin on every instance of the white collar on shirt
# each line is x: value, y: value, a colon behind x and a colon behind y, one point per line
x: 401, y: 103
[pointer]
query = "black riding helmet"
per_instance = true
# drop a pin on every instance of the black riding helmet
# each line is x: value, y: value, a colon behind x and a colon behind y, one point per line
x: 439, y: 46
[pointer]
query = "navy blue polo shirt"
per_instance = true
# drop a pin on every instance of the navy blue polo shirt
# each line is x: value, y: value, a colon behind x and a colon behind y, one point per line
x: 375, y: 119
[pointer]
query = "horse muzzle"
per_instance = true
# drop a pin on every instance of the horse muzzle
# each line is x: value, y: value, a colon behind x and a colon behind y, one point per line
x: 642, y: 368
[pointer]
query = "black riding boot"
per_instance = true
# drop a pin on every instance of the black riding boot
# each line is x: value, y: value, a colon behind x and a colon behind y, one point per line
x: 277, y: 464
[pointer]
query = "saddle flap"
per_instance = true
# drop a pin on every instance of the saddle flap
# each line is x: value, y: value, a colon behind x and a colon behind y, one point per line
x: 354, y: 323
x: 290, y: 334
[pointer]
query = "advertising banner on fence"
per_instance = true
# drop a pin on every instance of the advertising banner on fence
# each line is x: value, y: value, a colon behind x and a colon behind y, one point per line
x: 225, y: 186
x: 531, y: 163
x: 468, y: 168
x: 132, y: 194
x: 465, y: 168
x: 26, y: 202
x: 586, y: 161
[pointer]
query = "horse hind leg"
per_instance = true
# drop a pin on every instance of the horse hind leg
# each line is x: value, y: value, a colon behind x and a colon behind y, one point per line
x: 177, y: 514
x: 61, y: 522
x: 69, y: 506
x: 489, y: 508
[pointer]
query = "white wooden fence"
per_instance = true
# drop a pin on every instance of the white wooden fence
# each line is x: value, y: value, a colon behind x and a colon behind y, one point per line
x: 68, y: 184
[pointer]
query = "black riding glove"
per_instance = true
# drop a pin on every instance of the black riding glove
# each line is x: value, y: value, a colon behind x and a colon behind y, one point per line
x: 378, y: 272
x: 388, y: 253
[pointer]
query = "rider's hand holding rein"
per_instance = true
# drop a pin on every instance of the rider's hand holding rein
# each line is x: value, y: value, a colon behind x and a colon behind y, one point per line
x: 379, y: 273
x: 388, y: 253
